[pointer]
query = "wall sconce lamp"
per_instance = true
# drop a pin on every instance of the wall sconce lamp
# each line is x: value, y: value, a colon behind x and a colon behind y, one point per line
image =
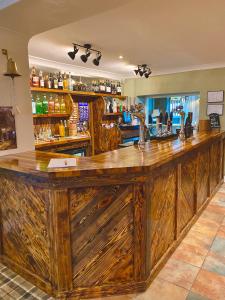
x: 11, y: 66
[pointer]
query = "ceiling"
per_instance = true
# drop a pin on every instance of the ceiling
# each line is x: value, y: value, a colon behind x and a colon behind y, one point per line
x: 170, y: 36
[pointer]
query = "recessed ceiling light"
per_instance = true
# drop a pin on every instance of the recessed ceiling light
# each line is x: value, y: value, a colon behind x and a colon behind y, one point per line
x: 121, y: 57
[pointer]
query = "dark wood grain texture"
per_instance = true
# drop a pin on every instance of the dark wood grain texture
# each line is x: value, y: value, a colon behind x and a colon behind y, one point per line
x: 107, y: 226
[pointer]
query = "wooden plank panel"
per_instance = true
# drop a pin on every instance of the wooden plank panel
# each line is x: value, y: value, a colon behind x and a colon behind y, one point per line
x: 202, y: 177
x: 162, y: 216
x: 24, y: 228
x: 102, y: 235
x: 186, y: 205
x: 215, y: 165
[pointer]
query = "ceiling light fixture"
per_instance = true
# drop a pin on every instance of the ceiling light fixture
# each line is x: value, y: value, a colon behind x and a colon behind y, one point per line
x: 143, y: 70
x: 88, y: 52
x: 121, y: 57
x: 73, y: 53
x: 97, y: 59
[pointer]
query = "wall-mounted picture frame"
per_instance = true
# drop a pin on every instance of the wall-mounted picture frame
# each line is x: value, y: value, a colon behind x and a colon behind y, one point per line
x: 215, y: 96
x: 214, y: 120
x: 215, y: 109
x: 7, y: 129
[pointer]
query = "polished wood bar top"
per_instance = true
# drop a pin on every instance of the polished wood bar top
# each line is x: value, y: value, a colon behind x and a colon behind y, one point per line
x: 121, y: 161
x: 62, y: 141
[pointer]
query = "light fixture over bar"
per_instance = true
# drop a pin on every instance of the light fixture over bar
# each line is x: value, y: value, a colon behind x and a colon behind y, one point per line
x: 88, y: 52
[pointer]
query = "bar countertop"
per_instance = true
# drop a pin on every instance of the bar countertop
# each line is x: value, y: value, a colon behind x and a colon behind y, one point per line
x: 126, y: 160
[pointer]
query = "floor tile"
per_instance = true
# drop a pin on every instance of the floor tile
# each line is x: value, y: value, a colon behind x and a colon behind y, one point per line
x: 194, y: 296
x: 179, y: 273
x: 162, y: 290
x: 221, y: 231
x: 214, y: 263
x: 213, y: 216
x: 218, y: 246
x: 209, y: 285
x: 193, y: 255
x: 199, y: 239
x: 216, y: 208
x: 207, y: 227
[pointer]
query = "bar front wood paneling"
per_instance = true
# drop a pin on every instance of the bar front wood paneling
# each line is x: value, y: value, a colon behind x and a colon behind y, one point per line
x: 107, y: 226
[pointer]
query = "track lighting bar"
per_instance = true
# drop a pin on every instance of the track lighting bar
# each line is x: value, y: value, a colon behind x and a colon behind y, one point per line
x: 88, y: 52
x: 143, y: 70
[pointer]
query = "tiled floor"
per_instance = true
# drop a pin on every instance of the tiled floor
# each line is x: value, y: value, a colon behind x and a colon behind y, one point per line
x: 196, y: 271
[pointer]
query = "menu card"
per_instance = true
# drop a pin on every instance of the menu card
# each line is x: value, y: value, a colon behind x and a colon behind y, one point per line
x: 62, y: 163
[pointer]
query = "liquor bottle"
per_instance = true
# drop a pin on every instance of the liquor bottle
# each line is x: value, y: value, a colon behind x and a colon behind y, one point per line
x: 66, y: 127
x: 35, y: 77
x: 108, y: 87
x: 38, y: 105
x: 102, y: 88
x: 60, y: 81
x: 50, y: 81
x: 51, y: 105
x: 62, y: 106
x: 55, y: 80
x: 46, y: 81
x: 65, y: 82
x: 44, y: 105
x: 33, y: 105
x: 41, y: 80
x: 57, y: 105
x: 70, y: 83
x: 61, y: 129
x: 118, y: 88
x: 97, y: 86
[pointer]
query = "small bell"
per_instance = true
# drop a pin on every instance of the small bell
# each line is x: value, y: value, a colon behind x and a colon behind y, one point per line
x: 11, y: 69
x: 11, y: 66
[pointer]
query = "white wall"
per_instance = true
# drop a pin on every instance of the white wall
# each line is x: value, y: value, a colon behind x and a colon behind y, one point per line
x: 17, y: 46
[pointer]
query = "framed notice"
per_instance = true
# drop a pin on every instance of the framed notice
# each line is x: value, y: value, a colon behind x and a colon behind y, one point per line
x: 215, y: 96
x: 215, y: 109
x: 7, y: 129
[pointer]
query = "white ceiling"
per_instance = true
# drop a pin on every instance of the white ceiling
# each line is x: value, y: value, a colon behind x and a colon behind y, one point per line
x: 171, y: 36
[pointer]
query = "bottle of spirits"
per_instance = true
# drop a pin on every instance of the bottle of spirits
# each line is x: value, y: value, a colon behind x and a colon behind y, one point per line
x: 62, y: 106
x: 70, y: 82
x: 39, y: 106
x: 108, y: 87
x: 46, y: 81
x: 102, y: 88
x: 118, y: 88
x: 51, y: 105
x: 33, y: 105
x: 50, y: 81
x: 44, y: 105
x: 61, y: 129
x: 65, y: 82
x: 55, y: 79
x: 66, y: 128
x: 41, y: 80
x: 97, y: 87
x: 60, y: 81
x: 35, y: 77
x: 57, y: 105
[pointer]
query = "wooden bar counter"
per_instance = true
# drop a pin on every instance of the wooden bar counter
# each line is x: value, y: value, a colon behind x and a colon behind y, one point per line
x: 108, y: 225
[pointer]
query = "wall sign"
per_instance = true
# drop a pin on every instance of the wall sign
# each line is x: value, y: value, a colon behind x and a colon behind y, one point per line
x: 215, y: 109
x: 214, y: 120
x: 7, y: 129
x: 215, y: 96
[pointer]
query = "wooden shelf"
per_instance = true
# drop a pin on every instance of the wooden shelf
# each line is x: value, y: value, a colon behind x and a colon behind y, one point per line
x: 113, y: 114
x: 76, y: 93
x: 51, y: 116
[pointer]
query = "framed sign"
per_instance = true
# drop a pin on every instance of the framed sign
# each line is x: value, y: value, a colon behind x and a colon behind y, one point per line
x: 215, y: 96
x: 215, y: 108
x: 214, y: 120
x: 7, y: 129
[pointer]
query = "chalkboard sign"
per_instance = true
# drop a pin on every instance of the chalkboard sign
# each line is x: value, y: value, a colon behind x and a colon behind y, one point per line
x: 214, y: 120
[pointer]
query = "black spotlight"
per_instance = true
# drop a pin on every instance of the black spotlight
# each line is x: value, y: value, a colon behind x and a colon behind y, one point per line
x: 73, y: 53
x: 136, y: 71
x: 84, y: 57
x: 141, y: 73
x: 97, y: 59
x: 147, y: 74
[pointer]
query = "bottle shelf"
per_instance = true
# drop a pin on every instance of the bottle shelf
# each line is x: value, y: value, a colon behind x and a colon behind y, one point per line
x: 113, y: 114
x: 76, y: 93
x: 51, y: 115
